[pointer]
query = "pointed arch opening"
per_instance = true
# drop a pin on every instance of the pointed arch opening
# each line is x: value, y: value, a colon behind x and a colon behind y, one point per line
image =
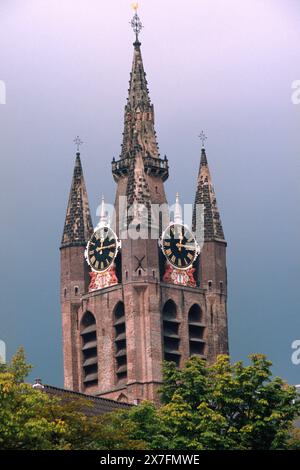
x: 196, y: 331
x: 89, y: 349
x: 171, y: 338
x: 120, y: 342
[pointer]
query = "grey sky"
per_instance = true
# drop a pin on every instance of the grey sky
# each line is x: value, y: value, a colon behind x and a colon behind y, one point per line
x: 225, y: 66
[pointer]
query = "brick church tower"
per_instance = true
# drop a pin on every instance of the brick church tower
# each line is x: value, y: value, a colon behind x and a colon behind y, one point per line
x: 135, y: 307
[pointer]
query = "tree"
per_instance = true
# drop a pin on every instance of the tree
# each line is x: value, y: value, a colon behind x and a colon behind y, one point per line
x: 221, y: 406
x: 294, y: 439
x: 31, y: 419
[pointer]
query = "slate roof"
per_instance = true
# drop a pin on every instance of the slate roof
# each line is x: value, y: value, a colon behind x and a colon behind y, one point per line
x: 205, y: 195
x: 78, y: 223
x: 101, y: 405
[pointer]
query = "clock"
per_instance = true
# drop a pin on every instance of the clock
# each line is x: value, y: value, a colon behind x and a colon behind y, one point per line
x: 102, y: 249
x: 179, y: 246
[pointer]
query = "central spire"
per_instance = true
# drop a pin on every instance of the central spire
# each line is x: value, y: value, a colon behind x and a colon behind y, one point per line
x: 139, y: 171
x: 139, y: 112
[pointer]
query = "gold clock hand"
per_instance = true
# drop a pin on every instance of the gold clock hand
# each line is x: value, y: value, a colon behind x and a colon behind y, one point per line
x: 105, y: 247
x: 100, y: 248
x: 109, y: 246
x: 188, y: 247
x: 179, y: 245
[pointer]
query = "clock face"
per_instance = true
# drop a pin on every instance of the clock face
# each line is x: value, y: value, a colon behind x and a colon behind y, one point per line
x: 102, y: 249
x: 179, y: 246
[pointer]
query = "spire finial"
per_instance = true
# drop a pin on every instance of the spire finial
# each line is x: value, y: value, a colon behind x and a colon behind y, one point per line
x: 103, y: 215
x: 203, y: 138
x: 177, y: 211
x: 78, y: 142
x: 136, y: 23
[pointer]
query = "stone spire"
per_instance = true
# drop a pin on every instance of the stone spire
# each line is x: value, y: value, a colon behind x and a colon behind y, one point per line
x: 78, y: 224
x: 139, y: 112
x: 205, y: 195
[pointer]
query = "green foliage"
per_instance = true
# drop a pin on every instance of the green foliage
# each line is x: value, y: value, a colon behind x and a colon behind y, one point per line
x: 31, y: 419
x: 146, y: 426
x: 222, y: 406
x: 18, y: 366
x: 23, y: 415
x: 294, y: 439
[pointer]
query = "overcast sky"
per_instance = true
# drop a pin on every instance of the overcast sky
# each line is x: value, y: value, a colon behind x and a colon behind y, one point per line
x: 225, y: 66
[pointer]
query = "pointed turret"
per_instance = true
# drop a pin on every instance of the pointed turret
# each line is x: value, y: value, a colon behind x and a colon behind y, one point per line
x: 78, y: 224
x: 205, y: 196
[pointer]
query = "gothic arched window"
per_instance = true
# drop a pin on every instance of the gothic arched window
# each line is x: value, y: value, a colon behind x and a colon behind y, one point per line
x: 120, y: 342
x: 196, y: 331
x: 171, y: 337
x: 89, y: 349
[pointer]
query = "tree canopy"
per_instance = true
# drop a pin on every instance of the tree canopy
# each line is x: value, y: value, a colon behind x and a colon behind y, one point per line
x: 216, y: 407
x: 222, y: 406
x: 31, y: 419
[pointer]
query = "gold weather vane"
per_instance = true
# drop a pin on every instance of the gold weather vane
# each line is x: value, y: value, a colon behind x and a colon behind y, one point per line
x: 78, y: 142
x: 203, y: 138
x: 136, y: 23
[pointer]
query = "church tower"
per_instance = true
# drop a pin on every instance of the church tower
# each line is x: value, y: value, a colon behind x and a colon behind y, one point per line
x: 155, y: 292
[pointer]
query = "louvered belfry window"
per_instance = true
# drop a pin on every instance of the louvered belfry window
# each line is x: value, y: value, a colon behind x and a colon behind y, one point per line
x: 196, y: 331
x: 171, y: 338
x: 89, y: 350
x: 120, y: 342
